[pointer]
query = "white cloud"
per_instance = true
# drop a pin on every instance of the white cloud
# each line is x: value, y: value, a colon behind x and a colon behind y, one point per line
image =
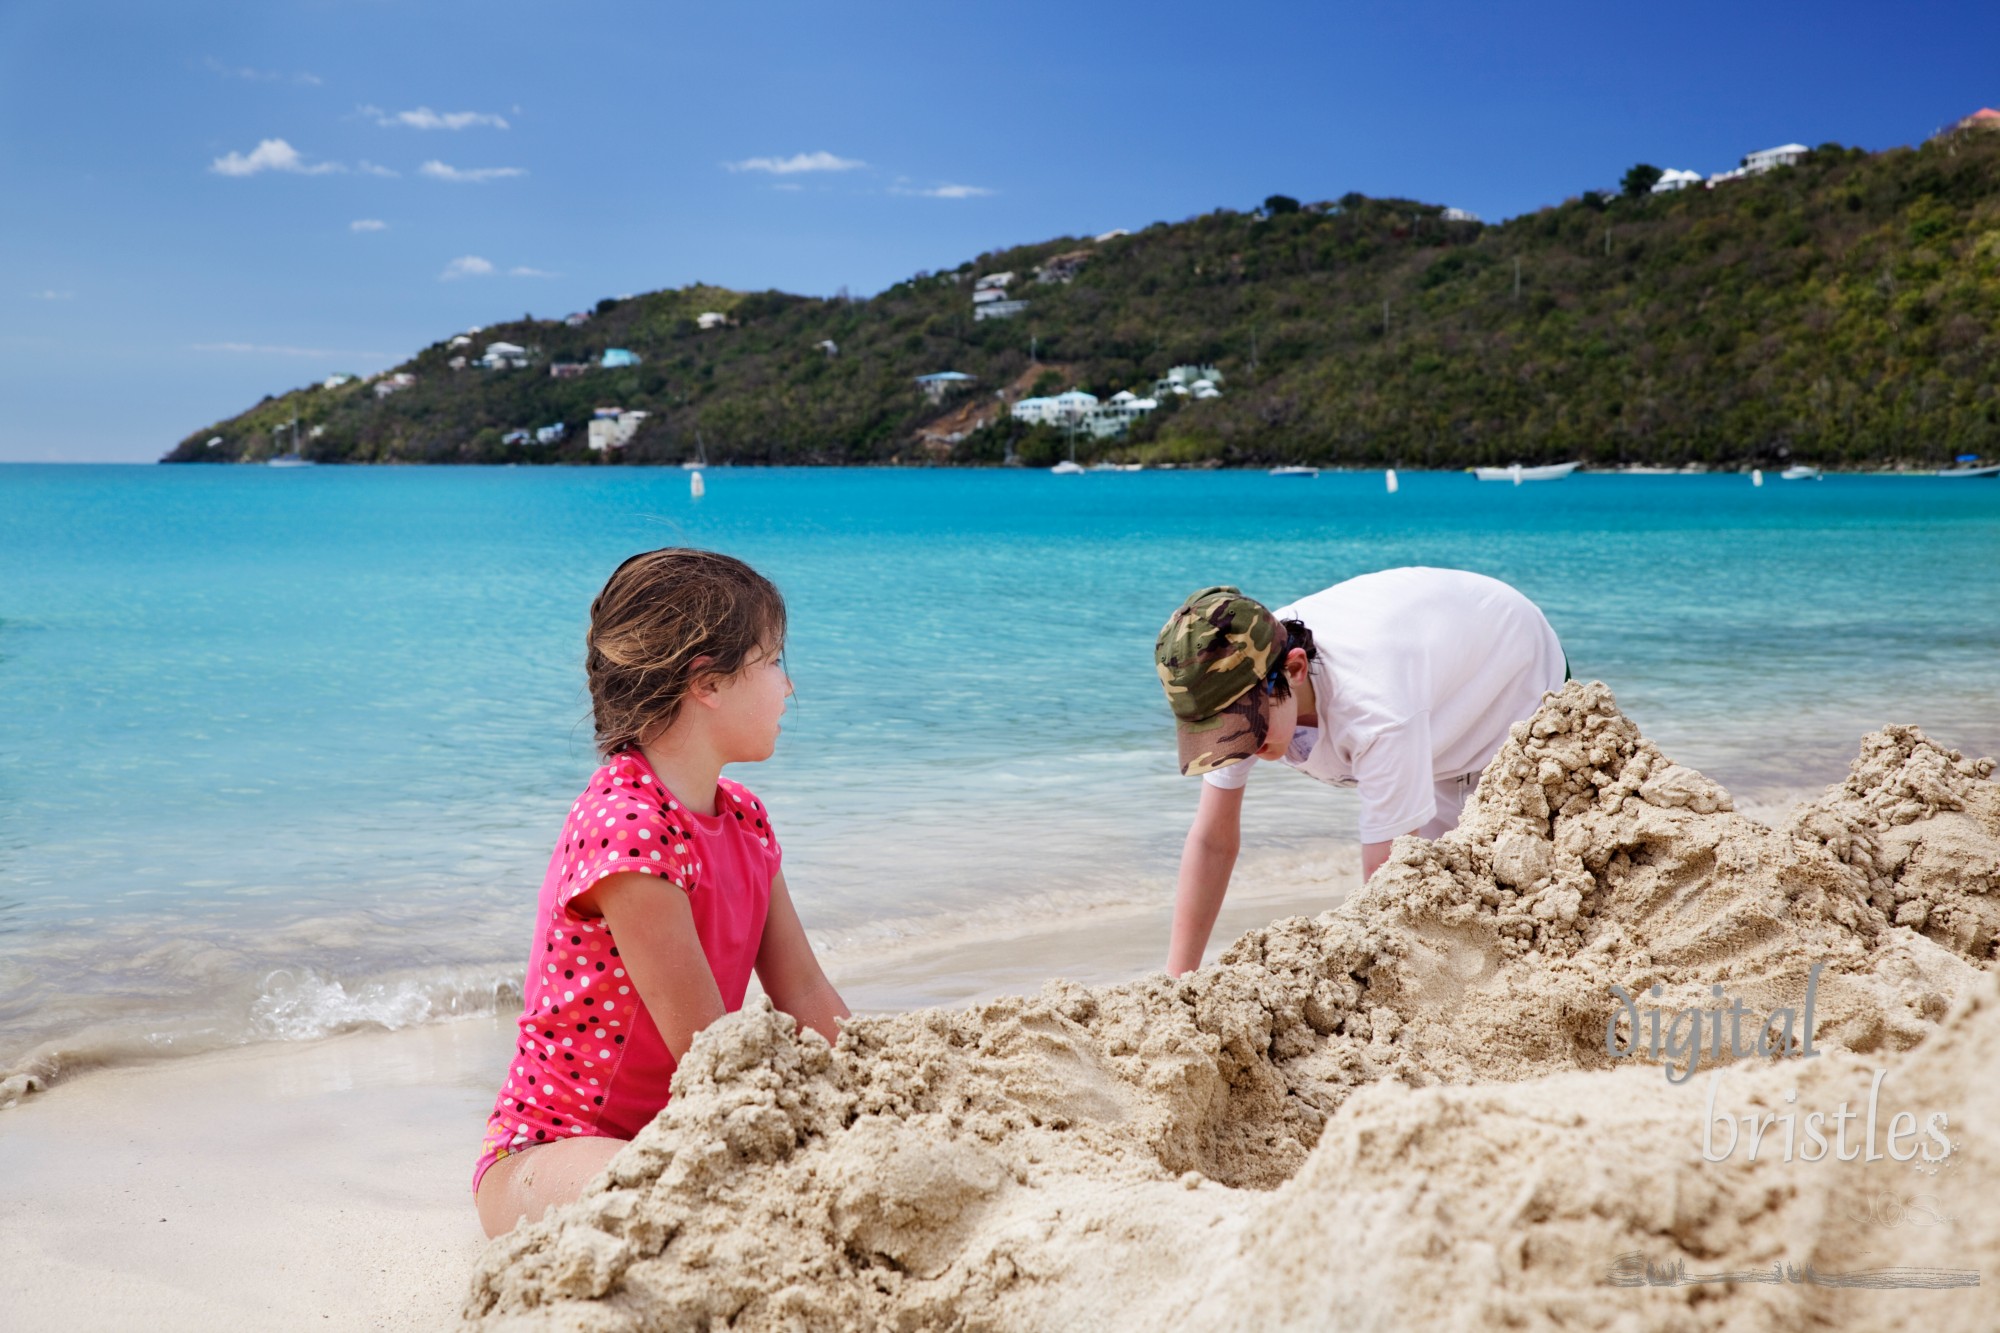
x: 266, y: 349
x: 797, y: 162
x: 946, y: 192
x: 437, y: 170
x: 466, y: 266
x: 368, y: 224
x: 368, y: 168
x: 270, y: 155
x: 523, y: 271
x: 423, y: 118
x: 50, y: 294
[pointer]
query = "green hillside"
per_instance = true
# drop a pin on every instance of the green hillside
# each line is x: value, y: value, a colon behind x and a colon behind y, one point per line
x: 1845, y: 311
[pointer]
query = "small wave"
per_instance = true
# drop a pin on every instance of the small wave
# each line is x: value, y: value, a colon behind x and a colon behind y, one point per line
x: 289, y: 1004
x: 303, y: 1005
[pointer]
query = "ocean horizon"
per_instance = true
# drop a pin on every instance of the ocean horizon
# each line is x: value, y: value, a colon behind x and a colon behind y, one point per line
x: 284, y: 750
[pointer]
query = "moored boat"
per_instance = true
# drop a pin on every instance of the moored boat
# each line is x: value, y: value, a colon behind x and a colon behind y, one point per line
x: 1518, y: 474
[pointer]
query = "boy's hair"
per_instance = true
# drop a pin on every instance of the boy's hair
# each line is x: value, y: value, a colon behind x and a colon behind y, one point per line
x: 659, y: 612
x: 1298, y: 636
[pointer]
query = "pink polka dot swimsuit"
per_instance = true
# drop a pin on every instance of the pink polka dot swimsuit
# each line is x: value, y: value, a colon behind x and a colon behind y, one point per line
x: 589, y: 1058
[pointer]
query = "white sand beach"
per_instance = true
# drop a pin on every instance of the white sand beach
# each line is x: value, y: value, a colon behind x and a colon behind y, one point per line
x: 325, y: 1184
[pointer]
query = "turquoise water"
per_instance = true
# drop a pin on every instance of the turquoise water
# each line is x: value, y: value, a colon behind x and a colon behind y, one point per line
x: 283, y: 751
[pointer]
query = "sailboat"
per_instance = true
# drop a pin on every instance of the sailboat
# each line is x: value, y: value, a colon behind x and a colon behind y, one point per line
x: 700, y: 459
x: 1069, y: 467
x: 292, y: 457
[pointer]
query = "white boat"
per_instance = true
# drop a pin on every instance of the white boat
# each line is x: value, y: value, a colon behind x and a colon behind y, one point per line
x: 700, y: 459
x: 290, y: 460
x: 1069, y: 467
x: 1990, y: 470
x: 1640, y: 470
x: 1801, y: 472
x: 1116, y: 467
x: 1518, y: 474
x: 1295, y: 472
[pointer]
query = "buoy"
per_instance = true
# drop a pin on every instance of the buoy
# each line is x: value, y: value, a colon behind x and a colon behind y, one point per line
x: 696, y: 488
x: 1756, y: 476
x: 1391, y: 479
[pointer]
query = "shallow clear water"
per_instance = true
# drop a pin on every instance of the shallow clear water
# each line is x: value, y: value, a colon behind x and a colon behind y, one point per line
x: 284, y: 750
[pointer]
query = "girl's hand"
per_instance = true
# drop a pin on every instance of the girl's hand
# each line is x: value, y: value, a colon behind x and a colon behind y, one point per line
x: 791, y: 973
x: 654, y: 927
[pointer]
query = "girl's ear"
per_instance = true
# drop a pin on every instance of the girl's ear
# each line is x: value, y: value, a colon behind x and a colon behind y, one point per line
x: 1295, y: 664
x: 702, y: 683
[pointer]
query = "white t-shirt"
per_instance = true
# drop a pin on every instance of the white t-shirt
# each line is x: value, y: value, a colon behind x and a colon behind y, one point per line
x: 1419, y: 674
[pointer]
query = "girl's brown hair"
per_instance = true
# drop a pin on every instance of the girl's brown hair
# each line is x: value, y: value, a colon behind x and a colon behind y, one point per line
x: 659, y: 612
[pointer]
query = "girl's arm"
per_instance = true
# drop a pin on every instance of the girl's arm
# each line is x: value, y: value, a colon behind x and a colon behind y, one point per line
x: 654, y: 927
x: 789, y: 971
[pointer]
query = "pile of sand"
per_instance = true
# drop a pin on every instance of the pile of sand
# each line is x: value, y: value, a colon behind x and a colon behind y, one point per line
x: 1401, y: 1111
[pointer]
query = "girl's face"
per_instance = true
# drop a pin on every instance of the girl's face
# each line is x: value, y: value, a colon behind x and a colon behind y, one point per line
x: 748, y: 707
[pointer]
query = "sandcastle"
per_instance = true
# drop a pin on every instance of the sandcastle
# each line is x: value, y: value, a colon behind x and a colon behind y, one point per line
x: 1407, y: 1111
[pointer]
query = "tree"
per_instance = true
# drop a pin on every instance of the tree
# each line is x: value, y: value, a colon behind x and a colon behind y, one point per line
x: 1280, y: 203
x: 1641, y: 179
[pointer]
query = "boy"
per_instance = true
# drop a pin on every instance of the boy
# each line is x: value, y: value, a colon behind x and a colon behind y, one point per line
x: 1401, y: 684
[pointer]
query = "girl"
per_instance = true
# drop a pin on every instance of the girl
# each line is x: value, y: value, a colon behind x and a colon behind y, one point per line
x: 665, y: 889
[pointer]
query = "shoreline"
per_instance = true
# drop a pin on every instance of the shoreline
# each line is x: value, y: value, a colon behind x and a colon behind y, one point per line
x: 326, y: 1183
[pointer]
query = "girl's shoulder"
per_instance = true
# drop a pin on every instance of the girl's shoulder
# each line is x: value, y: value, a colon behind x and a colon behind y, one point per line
x: 622, y: 780
x: 739, y: 804
x: 740, y: 795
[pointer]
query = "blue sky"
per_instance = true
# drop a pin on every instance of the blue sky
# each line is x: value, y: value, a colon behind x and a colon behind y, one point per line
x: 206, y: 202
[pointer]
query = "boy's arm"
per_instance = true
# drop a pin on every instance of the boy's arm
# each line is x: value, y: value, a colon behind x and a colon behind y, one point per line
x: 657, y: 943
x: 1375, y: 855
x: 791, y: 973
x: 1207, y: 859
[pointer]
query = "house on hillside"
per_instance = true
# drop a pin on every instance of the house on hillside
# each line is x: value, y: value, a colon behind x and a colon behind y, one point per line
x: 577, y: 320
x: 1111, y: 235
x: 1080, y: 411
x: 615, y: 357
x: 1115, y: 415
x: 458, y: 363
x: 395, y: 383
x: 1065, y: 409
x: 829, y: 346
x: 937, y: 385
x: 504, y: 356
x: 1673, y: 178
x: 1770, y: 159
x: 710, y: 319
x: 460, y: 341
x: 1458, y: 215
x: 1189, y: 381
x: 335, y: 381
x: 517, y: 437
x: 1986, y: 118
x: 551, y: 434
x: 989, y: 298
x: 614, y: 431
x: 568, y: 370
x: 1761, y: 161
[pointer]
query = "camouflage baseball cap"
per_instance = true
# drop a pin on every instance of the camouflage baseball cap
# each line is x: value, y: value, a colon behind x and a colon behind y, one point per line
x: 1213, y: 654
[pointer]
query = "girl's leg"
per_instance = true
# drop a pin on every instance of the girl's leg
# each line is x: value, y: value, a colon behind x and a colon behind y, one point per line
x: 526, y: 1184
